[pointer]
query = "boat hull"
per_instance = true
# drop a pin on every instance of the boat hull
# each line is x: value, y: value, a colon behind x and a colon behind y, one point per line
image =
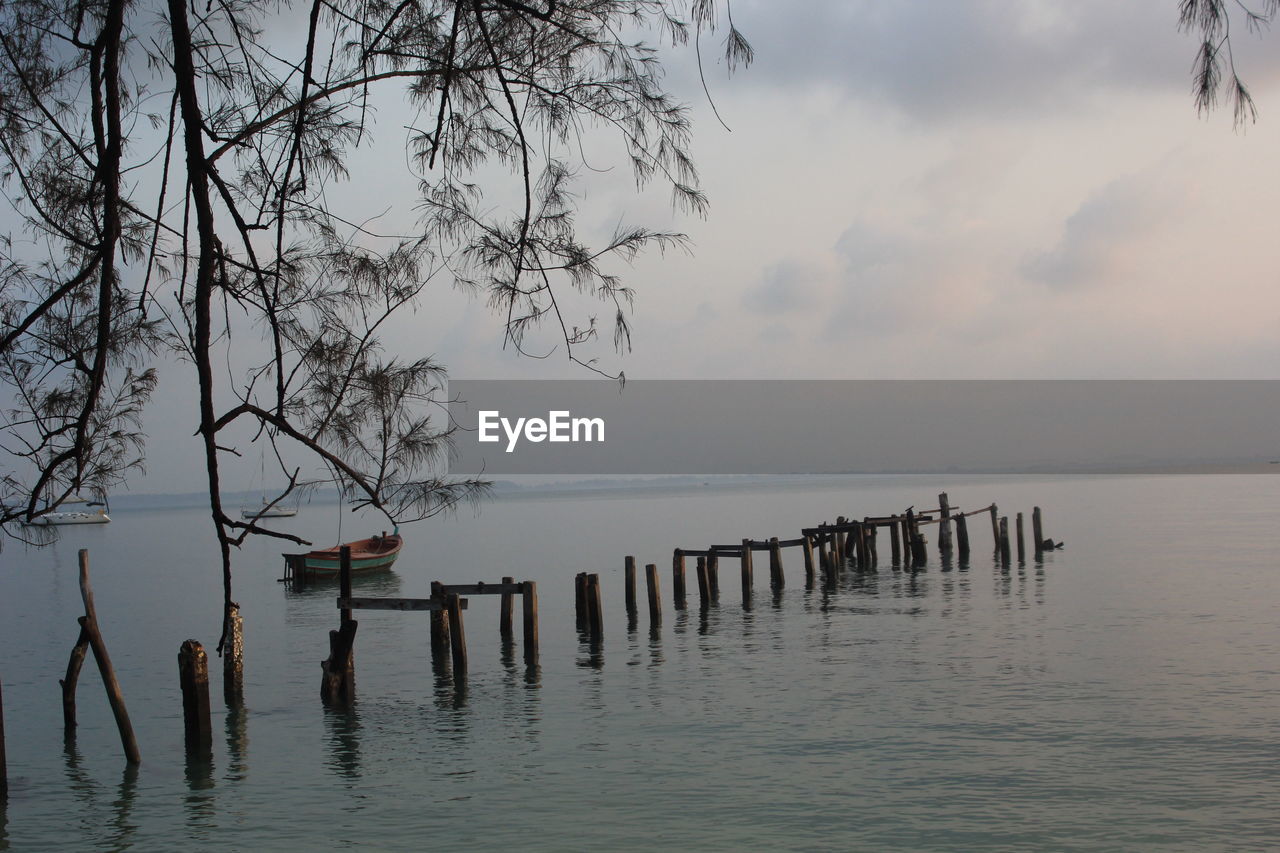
x: 376, y: 554
x: 275, y: 512
x: 52, y: 518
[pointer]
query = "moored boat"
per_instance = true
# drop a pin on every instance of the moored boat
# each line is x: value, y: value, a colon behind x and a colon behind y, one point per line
x: 375, y: 554
x: 73, y: 517
x: 268, y: 511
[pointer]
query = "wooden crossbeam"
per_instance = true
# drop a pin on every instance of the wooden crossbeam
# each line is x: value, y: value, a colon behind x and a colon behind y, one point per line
x: 395, y: 603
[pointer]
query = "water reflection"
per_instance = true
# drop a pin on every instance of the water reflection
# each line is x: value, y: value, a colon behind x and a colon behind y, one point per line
x: 237, y: 728
x: 120, y: 827
x: 200, y: 802
x: 343, y: 725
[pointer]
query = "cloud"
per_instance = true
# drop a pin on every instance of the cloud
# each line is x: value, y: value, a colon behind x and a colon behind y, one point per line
x: 983, y: 59
x: 786, y: 286
x: 1122, y: 211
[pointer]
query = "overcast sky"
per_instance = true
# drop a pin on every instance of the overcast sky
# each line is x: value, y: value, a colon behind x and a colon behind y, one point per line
x: 918, y: 189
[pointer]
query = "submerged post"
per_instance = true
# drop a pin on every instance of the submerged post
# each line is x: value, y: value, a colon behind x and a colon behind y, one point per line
x: 1037, y: 532
x: 962, y: 536
x: 580, y: 599
x: 807, y: 545
x: 595, y: 619
x: 1004, y: 540
x: 944, y: 526
x: 713, y: 574
x: 457, y: 636
x: 655, y: 599
x: 776, y: 577
x: 678, y: 580
x: 629, y: 571
x: 508, y: 605
x: 1022, y: 545
x: 530, y: 601
x: 4, y: 765
x: 193, y: 676
x: 233, y: 657
x: 89, y: 622
x: 895, y: 544
x: 995, y: 527
x: 704, y: 584
x: 439, y: 620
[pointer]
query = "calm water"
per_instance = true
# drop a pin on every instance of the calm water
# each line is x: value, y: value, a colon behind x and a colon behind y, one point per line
x: 1120, y: 696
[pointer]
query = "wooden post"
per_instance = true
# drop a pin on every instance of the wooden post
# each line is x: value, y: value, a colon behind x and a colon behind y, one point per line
x: 713, y: 574
x: 193, y: 676
x: 895, y: 544
x: 905, y: 530
x: 704, y: 584
x: 629, y: 572
x: 807, y: 547
x: 995, y: 527
x: 748, y: 571
x: 911, y: 543
x: 4, y: 764
x: 776, y: 576
x: 1004, y: 539
x: 508, y: 606
x: 1022, y: 545
x: 580, y: 599
x: 944, y: 526
x: 872, y: 534
x: 655, y: 600
x: 337, y: 683
x: 677, y: 580
x: 860, y: 540
x: 837, y: 544
x: 530, y: 597
x: 233, y: 657
x: 595, y: 618
x: 962, y: 536
x: 89, y: 623
x: 344, y: 578
x: 69, y: 683
x: 439, y: 620
x: 457, y: 636
x: 1037, y: 532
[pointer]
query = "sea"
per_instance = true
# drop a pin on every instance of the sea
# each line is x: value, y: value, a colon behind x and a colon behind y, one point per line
x: 1122, y: 693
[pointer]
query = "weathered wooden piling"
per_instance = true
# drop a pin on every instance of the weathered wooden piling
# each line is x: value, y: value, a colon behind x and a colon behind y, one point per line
x: 713, y: 574
x: 655, y: 598
x: 629, y: 579
x: 872, y: 534
x: 895, y: 544
x: 704, y: 584
x: 89, y: 627
x: 678, y: 586
x: 439, y: 620
x: 580, y: 600
x: 505, y: 627
x: 995, y: 528
x: 1004, y: 540
x: 529, y: 591
x: 904, y: 529
x: 69, y: 683
x: 233, y: 657
x: 193, y: 677
x: 1022, y: 545
x: 4, y: 762
x: 1037, y: 532
x: 457, y: 634
x: 962, y: 536
x: 595, y: 612
x: 944, y: 526
x: 338, y: 679
x: 776, y: 577
x: 748, y: 571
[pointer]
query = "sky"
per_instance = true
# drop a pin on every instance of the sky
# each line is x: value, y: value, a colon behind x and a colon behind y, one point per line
x: 918, y: 190
x: 947, y: 190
